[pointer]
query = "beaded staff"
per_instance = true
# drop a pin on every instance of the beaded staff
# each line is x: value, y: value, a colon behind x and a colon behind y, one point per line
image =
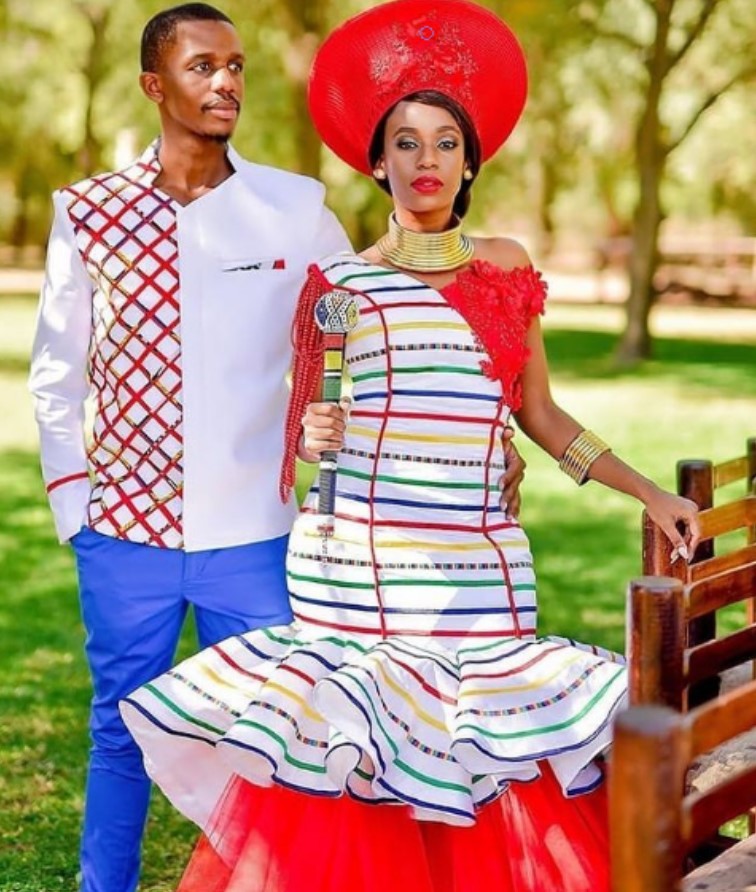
x: 336, y: 313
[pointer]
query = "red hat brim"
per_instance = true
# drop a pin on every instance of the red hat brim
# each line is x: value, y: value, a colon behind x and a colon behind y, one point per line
x: 375, y: 59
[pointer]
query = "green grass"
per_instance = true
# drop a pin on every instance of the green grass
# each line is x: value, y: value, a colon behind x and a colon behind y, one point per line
x: 695, y: 399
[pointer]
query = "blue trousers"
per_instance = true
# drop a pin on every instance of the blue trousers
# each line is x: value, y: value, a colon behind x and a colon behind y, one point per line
x: 134, y: 599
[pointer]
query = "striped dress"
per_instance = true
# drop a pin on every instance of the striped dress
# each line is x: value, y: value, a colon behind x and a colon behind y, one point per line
x: 412, y: 673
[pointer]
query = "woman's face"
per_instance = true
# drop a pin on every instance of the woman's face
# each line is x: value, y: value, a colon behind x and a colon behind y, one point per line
x: 423, y: 157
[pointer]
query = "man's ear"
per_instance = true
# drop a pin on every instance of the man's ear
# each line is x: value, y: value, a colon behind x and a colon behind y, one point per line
x: 151, y: 86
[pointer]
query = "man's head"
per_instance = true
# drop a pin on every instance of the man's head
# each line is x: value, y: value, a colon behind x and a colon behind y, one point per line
x: 160, y: 32
x: 193, y: 70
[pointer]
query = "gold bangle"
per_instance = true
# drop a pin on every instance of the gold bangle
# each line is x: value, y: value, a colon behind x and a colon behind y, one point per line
x: 581, y: 454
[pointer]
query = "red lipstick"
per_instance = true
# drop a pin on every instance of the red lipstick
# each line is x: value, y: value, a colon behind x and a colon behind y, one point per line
x: 427, y: 185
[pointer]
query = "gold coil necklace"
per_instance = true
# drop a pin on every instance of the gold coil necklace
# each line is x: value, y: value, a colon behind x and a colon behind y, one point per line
x: 425, y: 252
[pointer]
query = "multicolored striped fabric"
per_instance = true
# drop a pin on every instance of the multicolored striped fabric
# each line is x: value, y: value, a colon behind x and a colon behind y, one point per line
x: 422, y: 545
x: 412, y: 673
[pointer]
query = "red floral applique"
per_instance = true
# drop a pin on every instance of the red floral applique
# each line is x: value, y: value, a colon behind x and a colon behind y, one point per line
x: 499, y: 305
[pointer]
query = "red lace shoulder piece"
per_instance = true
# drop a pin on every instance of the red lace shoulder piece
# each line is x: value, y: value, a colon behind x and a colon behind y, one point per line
x: 499, y: 305
x: 307, y: 344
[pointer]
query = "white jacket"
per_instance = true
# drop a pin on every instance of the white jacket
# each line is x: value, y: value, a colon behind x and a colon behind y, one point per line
x: 176, y: 320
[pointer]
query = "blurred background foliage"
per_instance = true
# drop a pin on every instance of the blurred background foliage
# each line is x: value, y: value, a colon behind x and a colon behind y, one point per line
x: 640, y: 112
x: 640, y: 129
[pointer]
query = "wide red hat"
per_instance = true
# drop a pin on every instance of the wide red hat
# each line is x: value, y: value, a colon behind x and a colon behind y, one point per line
x: 373, y: 60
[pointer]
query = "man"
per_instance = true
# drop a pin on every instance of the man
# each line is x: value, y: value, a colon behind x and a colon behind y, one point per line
x: 169, y: 293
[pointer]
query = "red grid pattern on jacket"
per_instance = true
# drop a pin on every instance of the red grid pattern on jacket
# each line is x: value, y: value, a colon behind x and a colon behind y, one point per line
x: 126, y: 233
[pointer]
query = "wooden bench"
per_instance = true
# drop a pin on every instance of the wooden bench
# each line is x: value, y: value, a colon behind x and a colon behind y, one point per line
x: 672, y: 754
x: 663, y: 662
x: 667, y: 663
x: 655, y: 825
x: 667, y: 638
x: 702, y: 481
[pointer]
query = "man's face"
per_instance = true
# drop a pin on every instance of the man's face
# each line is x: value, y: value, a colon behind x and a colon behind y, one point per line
x: 200, y: 83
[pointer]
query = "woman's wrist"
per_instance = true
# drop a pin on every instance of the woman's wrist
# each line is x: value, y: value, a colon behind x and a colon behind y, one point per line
x: 645, y: 490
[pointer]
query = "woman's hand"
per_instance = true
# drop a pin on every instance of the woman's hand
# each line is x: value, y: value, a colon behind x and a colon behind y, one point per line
x: 667, y: 511
x: 511, y: 480
x: 323, y: 429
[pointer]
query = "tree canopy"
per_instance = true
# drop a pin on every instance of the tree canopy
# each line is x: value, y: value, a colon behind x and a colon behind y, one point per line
x: 639, y: 110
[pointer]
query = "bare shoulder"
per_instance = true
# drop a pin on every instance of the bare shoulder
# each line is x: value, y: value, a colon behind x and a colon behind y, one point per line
x: 372, y: 255
x: 504, y: 252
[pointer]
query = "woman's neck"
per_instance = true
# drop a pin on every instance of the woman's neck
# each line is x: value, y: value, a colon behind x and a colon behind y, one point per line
x: 425, y: 221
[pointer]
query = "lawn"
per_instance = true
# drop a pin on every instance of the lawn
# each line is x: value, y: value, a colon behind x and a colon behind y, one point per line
x: 696, y: 398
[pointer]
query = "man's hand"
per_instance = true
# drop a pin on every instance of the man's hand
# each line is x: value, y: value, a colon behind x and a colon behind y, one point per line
x: 509, y: 482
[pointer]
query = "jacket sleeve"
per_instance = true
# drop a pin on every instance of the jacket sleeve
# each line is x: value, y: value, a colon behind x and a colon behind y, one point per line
x: 58, y: 376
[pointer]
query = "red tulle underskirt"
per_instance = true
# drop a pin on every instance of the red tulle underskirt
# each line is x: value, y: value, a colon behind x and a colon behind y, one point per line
x: 532, y: 839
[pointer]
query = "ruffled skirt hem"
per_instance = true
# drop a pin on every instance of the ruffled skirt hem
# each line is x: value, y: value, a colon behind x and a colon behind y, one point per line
x: 400, y: 721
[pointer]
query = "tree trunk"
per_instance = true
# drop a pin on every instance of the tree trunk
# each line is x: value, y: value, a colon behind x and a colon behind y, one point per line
x: 650, y: 159
x: 19, y: 233
x: 548, y: 189
x: 20, y: 228
x: 635, y: 344
x: 94, y: 71
x: 306, y: 23
x: 297, y: 61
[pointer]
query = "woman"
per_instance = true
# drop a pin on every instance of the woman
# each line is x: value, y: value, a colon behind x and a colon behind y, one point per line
x: 446, y: 747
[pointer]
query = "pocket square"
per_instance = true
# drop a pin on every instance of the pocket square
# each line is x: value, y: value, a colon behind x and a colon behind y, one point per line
x: 244, y: 266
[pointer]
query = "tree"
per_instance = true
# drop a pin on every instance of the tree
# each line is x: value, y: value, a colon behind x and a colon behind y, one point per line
x: 306, y: 23
x: 667, y: 37
x: 592, y: 69
x: 95, y: 70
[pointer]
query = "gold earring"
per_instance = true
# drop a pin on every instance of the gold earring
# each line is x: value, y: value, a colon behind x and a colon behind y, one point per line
x: 379, y: 174
x: 468, y: 174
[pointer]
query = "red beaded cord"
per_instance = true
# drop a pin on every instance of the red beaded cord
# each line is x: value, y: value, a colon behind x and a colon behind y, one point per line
x: 307, y: 344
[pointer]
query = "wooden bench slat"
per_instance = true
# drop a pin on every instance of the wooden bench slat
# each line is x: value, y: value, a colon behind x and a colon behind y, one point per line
x: 721, y: 590
x: 704, y: 813
x: 731, y: 471
x: 726, y: 716
x: 719, y: 654
x: 733, y: 871
x: 722, y: 563
x: 728, y: 517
